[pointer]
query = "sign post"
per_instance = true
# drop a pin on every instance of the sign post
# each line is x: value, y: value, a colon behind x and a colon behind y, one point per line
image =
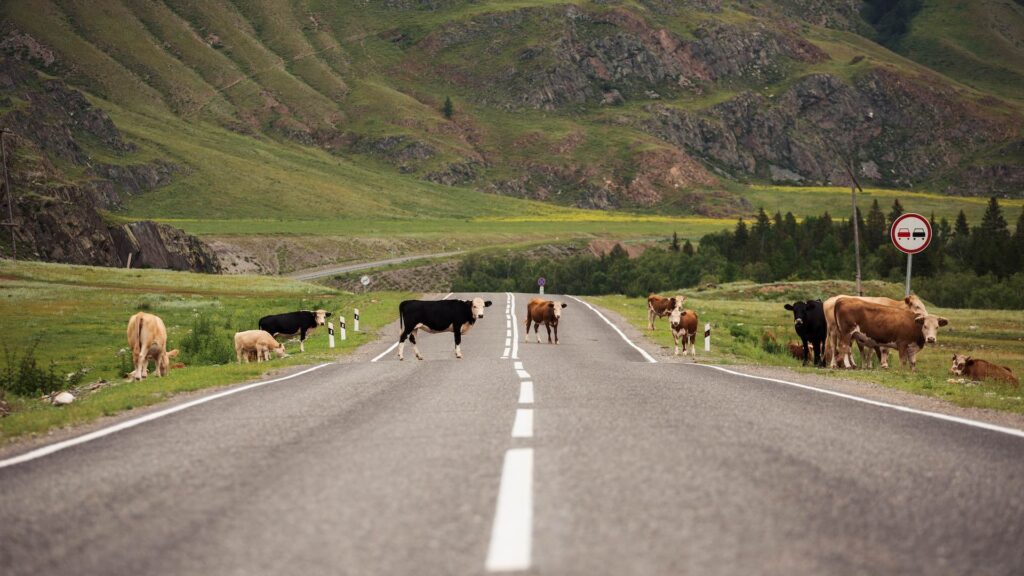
x: 541, y: 282
x: 911, y: 233
x: 355, y: 320
x: 365, y: 281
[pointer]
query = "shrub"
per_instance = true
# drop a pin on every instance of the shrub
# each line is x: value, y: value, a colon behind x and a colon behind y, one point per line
x: 24, y: 377
x: 769, y: 343
x: 206, y: 343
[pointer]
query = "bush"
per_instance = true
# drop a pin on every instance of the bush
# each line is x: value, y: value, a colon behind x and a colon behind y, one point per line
x: 23, y: 376
x: 206, y: 343
x: 769, y: 343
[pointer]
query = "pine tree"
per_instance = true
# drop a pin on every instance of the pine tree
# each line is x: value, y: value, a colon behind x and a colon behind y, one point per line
x: 989, y: 243
x: 959, y: 244
x: 1018, y: 243
x: 761, y: 239
x: 448, y: 109
x: 896, y: 212
x: 961, y: 228
x: 874, y: 228
x: 674, y: 246
x: 688, y: 248
x: 740, y: 242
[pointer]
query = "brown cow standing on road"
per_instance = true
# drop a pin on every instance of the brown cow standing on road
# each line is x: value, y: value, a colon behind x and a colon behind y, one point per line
x: 659, y: 307
x: 147, y: 339
x: 880, y: 325
x: 978, y: 369
x: 540, y: 311
x: 683, y: 324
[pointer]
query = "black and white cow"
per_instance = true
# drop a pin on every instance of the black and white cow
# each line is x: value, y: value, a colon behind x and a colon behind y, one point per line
x: 810, y: 325
x: 293, y: 323
x: 456, y: 316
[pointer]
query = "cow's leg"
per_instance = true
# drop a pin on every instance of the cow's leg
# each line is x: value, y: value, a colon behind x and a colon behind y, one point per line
x: 526, y: 336
x: 401, y: 343
x: 458, y: 340
x: 675, y: 340
x: 415, y: 347
x: 693, y: 347
x: 556, y: 332
x: 816, y: 345
x: 536, y: 331
x: 807, y: 352
x: 302, y: 340
x: 548, y: 326
x: 650, y: 318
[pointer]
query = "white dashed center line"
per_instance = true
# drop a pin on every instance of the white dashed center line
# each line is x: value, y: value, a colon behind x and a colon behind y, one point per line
x: 512, y: 534
x: 526, y: 392
x: 523, y: 374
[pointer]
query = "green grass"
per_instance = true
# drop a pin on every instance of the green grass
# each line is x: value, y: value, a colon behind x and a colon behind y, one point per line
x: 740, y: 313
x: 79, y: 315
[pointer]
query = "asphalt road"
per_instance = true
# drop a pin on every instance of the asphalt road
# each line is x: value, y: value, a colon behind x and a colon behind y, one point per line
x: 605, y: 464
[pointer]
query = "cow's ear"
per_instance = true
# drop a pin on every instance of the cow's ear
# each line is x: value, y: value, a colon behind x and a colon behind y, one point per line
x: 487, y: 303
x: 564, y: 304
x: 954, y: 357
x: 943, y: 321
x: 908, y: 301
x: 551, y: 304
x: 788, y: 306
x: 327, y: 315
x: 920, y: 319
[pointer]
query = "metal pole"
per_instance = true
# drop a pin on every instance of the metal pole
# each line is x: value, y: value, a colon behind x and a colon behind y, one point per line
x: 910, y: 260
x: 10, y: 196
x: 856, y: 225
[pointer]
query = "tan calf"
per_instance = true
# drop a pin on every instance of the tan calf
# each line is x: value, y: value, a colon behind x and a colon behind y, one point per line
x: 258, y: 342
x: 978, y: 369
x: 547, y: 312
x: 147, y: 339
x: 683, y: 324
x: 659, y: 307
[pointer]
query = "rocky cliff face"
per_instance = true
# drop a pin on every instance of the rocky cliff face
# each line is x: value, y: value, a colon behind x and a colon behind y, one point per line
x: 56, y: 217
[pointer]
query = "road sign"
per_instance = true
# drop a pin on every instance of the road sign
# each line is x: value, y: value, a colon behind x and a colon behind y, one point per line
x: 541, y: 281
x: 365, y: 280
x: 911, y: 233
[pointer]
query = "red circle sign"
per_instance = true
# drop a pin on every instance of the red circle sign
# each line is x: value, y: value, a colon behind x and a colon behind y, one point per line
x: 911, y: 233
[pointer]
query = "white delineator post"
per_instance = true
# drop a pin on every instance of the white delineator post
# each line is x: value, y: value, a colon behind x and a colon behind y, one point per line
x: 355, y: 320
x: 330, y: 334
x: 341, y: 325
x: 707, y: 337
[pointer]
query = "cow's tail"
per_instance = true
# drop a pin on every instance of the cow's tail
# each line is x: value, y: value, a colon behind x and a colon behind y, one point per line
x: 401, y: 317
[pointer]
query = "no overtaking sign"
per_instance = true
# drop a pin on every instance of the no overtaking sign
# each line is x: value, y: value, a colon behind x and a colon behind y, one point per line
x: 911, y: 233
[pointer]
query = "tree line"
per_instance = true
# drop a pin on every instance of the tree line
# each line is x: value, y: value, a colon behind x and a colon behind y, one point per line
x: 980, y: 266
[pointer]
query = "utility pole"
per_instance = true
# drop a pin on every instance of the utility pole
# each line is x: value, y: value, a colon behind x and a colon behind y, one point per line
x: 10, y: 195
x: 854, y: 185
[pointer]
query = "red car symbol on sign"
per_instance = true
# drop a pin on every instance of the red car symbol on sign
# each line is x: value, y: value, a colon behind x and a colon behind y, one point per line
x: 903, y: 233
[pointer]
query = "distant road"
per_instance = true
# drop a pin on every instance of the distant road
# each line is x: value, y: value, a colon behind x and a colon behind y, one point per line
x: 591, y: 457
x: 321, y: 272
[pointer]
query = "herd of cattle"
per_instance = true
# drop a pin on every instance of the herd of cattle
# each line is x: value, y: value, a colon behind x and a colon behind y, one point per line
x: 828, y: 328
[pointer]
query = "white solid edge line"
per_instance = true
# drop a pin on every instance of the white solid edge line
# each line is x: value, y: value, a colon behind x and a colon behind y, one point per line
x: 47, y: 450
x: 392, y: 347
x: 512, y: 532
x: 515, y: 327
x: 522, y: 427
x: 642, y: 352
x: 956, y: 419
x: 526, y: 392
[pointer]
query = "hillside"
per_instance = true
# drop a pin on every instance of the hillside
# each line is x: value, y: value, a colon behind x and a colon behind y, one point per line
x: 313, y: 110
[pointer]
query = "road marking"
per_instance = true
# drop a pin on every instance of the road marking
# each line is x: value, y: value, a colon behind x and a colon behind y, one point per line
x: 508, y: 333
x: 522, y: 427
x: 46, y: 450
x: 523, y: 374
x: 512, y: 533
x: 508, y: 341
x: 642, y: 352
x: 393, y: 346
x: 956, y: 419
x: 504, y: 355
x: 515, y: 328
x: 517, y: 365
x: 526, y: 392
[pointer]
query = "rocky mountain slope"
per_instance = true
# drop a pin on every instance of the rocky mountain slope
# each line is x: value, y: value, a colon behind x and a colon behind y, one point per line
x: 654, y: 105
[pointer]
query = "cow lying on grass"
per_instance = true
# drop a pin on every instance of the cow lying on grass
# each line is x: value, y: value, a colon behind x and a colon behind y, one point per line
x: 683, y: 324
x: 256, y: 343
x: 978, y: 369
x: 547, y: 312
x: 659, y: 307
x: 147, y: 339
x: 456, y: 316
x: 877, y: 325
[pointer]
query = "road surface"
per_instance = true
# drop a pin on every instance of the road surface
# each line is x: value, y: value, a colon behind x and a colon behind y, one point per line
x: 330, y: 271
x: 604, y: 463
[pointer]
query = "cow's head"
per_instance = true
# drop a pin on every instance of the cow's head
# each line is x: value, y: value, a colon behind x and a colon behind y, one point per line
x: 930, y: 325
x: 476, y: 306
x: 802, y: 311
x: 556, y: 308
x: 164, y: 363
x: 675, y: 316
x: 279, y: 350
x: 321, y: 317
x: 960, y: 363
x: 915, y: 305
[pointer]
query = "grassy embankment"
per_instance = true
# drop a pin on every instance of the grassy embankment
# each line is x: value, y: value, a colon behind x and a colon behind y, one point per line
x: 79, y: 315
x: 740, y: 313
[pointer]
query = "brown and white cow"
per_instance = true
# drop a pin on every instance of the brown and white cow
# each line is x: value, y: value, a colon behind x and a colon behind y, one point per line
x: 978, y: 369
x: 912, y: 303
x: 881, y: 325
x: 147, y: 339
x: 659, y: 307
x: 683, y: 324
x: 547, y: 312
x: 259, y: 343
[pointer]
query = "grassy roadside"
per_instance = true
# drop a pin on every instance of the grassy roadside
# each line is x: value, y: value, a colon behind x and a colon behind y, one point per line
x: 78, y: 316
x: 741, y: 313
